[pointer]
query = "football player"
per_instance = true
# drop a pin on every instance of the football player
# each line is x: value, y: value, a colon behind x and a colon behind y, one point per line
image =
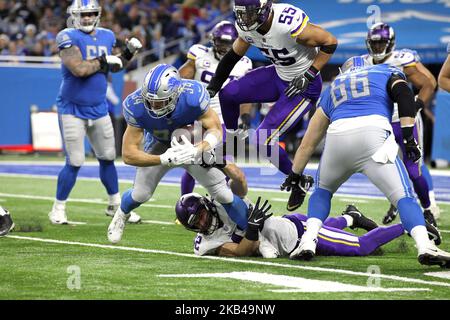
x: 201, y: 65
x: 381, y: 46
x: 86, y: 54
x: 6, y: 222
x: 444, y: 75
x: 164, y: 104
x: 355, y: 113
x: 298, y: 50
x: 273, y: 237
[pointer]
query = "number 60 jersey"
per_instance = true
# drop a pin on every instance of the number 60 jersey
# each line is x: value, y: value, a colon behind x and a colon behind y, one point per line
x: 280, y: 43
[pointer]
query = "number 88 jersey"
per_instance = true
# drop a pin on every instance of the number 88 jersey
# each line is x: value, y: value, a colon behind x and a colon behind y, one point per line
x: 280, y: 43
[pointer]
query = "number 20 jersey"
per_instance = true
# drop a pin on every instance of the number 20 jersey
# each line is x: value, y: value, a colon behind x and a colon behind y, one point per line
x: 279, y: 44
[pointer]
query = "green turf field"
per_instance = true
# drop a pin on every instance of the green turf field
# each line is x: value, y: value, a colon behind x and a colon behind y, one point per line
x: 86, y: 266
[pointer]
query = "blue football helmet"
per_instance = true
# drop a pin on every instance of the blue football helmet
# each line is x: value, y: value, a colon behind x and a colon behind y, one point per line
x: 85, y: 14
x: 197, y: 213
x: 161, y: 90
x: 251, y: 14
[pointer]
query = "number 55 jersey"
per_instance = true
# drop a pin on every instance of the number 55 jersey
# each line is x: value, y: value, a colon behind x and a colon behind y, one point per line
x: 280, y: 43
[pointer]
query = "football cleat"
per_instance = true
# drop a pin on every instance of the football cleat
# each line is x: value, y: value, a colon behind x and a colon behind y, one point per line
x: 111, y: 210
x: 359, y: 220
x: 6, y: 223
x: 429, y: 217
x: 390, y: 215
x: 433, y: 233
x: 434, y: 256
x: 117, y: 225
x: 58, y: 216
x: 306, y: 250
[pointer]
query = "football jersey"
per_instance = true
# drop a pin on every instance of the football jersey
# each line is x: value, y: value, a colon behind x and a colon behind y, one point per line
x: 76, y: 94
x: 360, y: 93
x: 229, y: 232
x: 205, y: 68
x: 192, y: 103
x: 399, y: 59
x: 448, y: 48
x: 279, y: 44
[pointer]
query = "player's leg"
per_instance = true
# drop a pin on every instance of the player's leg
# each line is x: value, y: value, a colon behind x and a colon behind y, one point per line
x: 73, y: 131
x: 392, y: 180
x: 187, y: 183
x: 145, y: 183
x: 258, y: 85
x: 213, y: 180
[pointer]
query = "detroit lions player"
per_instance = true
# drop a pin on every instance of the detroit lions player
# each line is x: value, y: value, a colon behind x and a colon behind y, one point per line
x: 298, y: 50
x: 164, y: 104
x: 355, y: 113
x: 201, y: 65
x: 273, y: 237
x: 444, y: 75
x: 86, y: 54
x: 381, y: 46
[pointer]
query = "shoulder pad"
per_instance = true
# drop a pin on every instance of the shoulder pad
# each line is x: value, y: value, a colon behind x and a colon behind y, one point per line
x: 65, y: 39
x: 299, y: 20
x: 196, y: 51
x: 404, y: 58
x: 197, y: 95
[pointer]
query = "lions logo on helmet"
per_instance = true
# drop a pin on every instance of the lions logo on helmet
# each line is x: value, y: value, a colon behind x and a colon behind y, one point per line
x: 161, y: 90
x: 251, y: 14
x: 197, y: 213
x: 380, y: 41
x: 222, y: 37
x: 85, y: 14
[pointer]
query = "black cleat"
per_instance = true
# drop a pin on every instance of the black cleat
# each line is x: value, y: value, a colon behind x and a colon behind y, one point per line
x: 390, y: 215
x: 429, y: 218
x: 305, y: 255
x: 433, y: 233
x: 359, y: 220
x: 6, y: 223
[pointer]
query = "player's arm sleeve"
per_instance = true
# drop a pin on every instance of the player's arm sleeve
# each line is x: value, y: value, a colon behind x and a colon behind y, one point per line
x: 401, y: 93
x: 408, y: 59
x: 196, y: 51
x: 64, y: 40
x: 226, y: 65
x: 299, y: 21
x: 128, y: 114
x: 203, y: 100
x: 324, y: 103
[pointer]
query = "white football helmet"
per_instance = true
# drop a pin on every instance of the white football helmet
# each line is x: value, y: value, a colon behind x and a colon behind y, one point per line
x: 79, y: 11
x: 161, y: 90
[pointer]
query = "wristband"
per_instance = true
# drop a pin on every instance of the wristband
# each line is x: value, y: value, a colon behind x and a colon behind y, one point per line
x: 311, y: 73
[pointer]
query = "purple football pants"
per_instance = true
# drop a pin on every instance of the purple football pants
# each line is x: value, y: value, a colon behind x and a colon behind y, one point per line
x: 333, y: 241
x: 415, y: 174
x: 264, y: 85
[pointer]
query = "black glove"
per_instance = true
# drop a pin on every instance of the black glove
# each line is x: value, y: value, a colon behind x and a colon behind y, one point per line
x: 245, y: 121
x: 420, y: 105
x: 256, y: 219
x: 301, y: 83
x: 412, y: 149
x: 299, y: 186
x: 104, y: 66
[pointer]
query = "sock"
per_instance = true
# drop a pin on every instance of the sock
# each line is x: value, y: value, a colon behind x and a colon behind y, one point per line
x: 410, y: 213
x: 237, y: 211
x: 128, y: 204
x: 108, y: 176
x: 66, y: 180
x: 187, y: 183
x: 313, y: 226
x: 319, y: 204
x: 349, y: 220
x: 432, y: 197
x: 59, y: 204
x: 421, y: 188
x: 114, y: 199
x: 420, y: 236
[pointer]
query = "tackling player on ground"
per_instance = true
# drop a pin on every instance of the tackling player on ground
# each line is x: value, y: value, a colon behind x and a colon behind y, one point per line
x: 86, y: 54
x: 298, y: 50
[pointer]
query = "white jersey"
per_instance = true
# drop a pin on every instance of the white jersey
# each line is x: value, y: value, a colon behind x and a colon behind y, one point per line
x: 399, y: 59
x: 279, y: 44
x: 205, y: 68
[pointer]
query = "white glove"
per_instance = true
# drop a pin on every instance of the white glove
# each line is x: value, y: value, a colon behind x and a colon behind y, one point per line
x: 114, y: 62
x: 134, y: 45
x: 168, y: 158
x: 187, y: 153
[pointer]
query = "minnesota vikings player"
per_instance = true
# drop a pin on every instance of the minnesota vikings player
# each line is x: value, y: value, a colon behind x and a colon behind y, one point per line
x: 381, y: 46
x: 273, y: 237
x: 444, y: 75
x: 298, y: 50
x: 355, y: 113
x: 86, y: 54
x: 164, y: 104
x: 201, y: 65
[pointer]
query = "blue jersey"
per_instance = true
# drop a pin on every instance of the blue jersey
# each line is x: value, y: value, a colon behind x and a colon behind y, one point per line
x: 84, y: 97
x: 448, y: 48
x: 362, y: 92
x: 192, y: 103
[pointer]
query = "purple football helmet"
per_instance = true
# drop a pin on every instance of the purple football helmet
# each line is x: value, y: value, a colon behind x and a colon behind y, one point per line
x: 197, y: 213
x: 251, y: 14
x: 222, y: 37
x: 380, y: 41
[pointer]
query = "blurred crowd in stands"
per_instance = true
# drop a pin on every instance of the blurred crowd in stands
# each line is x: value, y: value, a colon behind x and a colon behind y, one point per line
x: 29, y: 27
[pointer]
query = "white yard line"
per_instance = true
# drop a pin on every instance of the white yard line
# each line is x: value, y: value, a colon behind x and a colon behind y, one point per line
x: 234, y: 260
x: 95, y: 201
